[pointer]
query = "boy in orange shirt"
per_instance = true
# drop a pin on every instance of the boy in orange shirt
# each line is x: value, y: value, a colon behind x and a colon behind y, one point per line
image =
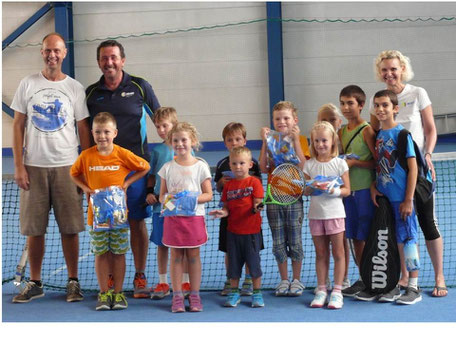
x: 101, y: 166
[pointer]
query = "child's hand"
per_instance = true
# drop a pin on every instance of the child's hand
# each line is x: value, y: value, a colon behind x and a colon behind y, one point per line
x: 264, y: 132
x: 151, y: 199
x: 374, y: 194
x: 257, y: 208
x: 294, y: 134
x: 406, y: 209
x: 308, y: 191
x: 218, y: 213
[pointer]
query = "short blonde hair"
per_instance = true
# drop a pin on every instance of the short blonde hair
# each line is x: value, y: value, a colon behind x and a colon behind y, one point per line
x: 165, y: 113
x: 285, y: 105
x: 233, y: 127
x: 329, y: 107
x: 103, y: 118
x: 239, y: 150
x: 407, y: 75
x: 323, y: 125
x: 185, y: 127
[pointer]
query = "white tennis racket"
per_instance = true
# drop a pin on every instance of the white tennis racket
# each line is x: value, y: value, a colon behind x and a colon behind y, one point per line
x: 21, y: 267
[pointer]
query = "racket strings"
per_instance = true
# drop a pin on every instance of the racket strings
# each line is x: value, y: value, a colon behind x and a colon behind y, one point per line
x: 286, y: 183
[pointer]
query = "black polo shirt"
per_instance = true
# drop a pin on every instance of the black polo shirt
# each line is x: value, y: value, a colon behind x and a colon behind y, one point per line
x: 131, y: 103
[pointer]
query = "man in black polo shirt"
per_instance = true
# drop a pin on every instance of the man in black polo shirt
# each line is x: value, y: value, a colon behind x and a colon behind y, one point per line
x: 130, y: 99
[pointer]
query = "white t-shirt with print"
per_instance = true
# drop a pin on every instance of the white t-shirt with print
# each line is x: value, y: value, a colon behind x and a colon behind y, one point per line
x: 179, y: 178
x: 324, y: 207
x: 52, y: 110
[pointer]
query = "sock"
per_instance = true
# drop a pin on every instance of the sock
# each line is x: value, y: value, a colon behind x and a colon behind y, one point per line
x: 227, y: 281
x: 37, y: 282
x: 185, y: 278
x: 256, y: 291
x: 75, y: 279
x: 178, y: 293
x: 337, y: 288
x: 248, y: 276
x: 197, y: 293
x: 163, y: 278
x: 322, y: 288
x: 139, y: 273
x: 413, y: 282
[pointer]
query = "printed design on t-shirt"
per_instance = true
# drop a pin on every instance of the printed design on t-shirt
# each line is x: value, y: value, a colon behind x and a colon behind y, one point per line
x: 50, y: 110
x: 387, y: 160
x: 405, y: 104
x: 239, y: 193
x: 104, y: 168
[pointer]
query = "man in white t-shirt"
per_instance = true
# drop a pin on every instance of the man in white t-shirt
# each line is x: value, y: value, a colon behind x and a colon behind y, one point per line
x: 48, y: 107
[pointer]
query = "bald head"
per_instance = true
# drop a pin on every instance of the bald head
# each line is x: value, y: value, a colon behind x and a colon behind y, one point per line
x: 54, y: 35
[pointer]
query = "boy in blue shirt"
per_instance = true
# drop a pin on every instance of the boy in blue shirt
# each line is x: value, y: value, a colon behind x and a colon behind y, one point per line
x: 397, y: 185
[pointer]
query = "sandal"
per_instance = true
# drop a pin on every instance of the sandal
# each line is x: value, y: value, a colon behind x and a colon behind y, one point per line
x: 437, y: 289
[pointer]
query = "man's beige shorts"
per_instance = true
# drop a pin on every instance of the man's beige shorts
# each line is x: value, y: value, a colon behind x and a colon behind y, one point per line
x: 50, y: 187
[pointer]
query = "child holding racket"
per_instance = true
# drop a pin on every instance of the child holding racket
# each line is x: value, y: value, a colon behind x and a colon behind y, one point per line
x: 358, y: 139
x: 185, y: 234
x: 286, y: 221
x: 241, y: 197
x: 101, y: 166
x: 234, y: 135
x: 326, y: 212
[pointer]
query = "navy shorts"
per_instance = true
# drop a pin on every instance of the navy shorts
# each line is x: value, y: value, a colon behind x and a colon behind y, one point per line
x: 222, y: 235
x: 243, y: 249
x: 136, y: 197
x: 359, y: 210
x: 157, y: 229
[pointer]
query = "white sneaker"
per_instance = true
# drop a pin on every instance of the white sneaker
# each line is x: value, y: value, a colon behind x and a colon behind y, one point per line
x: 336, y: 301
x: 296, y: 288
x: 328, y: 286
x: 319, y: 299
x: 283, y: 288
x: 346, y: 284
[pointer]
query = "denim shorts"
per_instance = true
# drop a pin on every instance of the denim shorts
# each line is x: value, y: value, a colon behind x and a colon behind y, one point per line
x: 407, y: 229
x: 359, y: 210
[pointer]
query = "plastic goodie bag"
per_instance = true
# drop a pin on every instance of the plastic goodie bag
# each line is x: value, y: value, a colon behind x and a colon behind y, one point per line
x: 280, y: 149
x: 183, y: 203
x: 109, y: 206
x: 349, y: 156
x: 324, y: 184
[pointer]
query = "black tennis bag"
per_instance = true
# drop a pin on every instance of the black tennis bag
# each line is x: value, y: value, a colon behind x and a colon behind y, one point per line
x: 380, y: 264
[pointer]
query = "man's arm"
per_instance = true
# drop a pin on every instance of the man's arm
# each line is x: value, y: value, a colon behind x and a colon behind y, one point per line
x: 20, y: 173
x: 84, y: 133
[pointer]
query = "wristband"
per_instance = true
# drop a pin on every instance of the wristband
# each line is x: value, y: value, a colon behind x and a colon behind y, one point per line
x: 335, y: 193
x: 150, y: 190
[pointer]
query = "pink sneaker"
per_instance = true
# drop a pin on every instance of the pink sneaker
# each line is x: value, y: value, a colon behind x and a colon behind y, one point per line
x: 195, y: 303
x: 178, y: 304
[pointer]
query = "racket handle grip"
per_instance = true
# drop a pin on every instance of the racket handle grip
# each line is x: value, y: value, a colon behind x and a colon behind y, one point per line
x: 258, y: 208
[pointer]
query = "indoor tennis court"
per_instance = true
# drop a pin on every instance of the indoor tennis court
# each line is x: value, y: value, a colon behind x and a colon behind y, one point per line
x: 220, y: 62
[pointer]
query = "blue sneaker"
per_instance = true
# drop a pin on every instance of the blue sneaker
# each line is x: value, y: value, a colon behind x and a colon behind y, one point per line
x: 257, y: 300
x: 234, y: 298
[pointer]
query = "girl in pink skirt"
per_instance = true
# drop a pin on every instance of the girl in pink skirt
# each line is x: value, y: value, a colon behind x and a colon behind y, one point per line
x: 185, y: 234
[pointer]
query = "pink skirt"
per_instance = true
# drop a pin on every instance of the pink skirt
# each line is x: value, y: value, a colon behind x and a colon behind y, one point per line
x: 184, y: 231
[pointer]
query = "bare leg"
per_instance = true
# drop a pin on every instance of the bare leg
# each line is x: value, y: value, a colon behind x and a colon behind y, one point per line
x: 177, y: 255
x: 347, y: 256
x: 359, y: 248
x: 321, y: 255
x: 337, y: 242
x: 404, y: 272
x: 296, y: 266
x: 139, y: 242
x: 70, y: 247
x: 35, y: 255
x: 102, y: 269
x: 194, y: 268
x: 118, y: 266
x: 283, y: 270
x: 162, y: 259
x: 435, y: 251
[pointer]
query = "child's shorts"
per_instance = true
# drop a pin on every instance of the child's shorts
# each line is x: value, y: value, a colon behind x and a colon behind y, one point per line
x: 243, y: 249
x: 114, y: 241
x: 157, y: 229
x: 405, y: 229
x: 359, y: 209
x: 136, y: 197
x: 326, y: 227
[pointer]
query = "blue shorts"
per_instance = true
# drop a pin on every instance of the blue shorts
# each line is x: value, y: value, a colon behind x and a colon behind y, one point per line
x: 157, y: 229
x: 136, y: 198
x: 405, y: 229
x: 243, y: 249
x: 359, y: 210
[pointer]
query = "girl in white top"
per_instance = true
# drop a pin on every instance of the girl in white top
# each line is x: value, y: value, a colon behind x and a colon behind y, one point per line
x: 185, y: 234
x: 327, y: 213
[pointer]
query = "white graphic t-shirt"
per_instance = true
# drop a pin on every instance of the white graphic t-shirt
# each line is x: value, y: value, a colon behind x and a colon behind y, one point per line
x: 52, y: 110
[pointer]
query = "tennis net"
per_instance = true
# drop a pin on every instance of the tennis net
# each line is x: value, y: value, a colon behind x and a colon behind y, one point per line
x: 54, y: 273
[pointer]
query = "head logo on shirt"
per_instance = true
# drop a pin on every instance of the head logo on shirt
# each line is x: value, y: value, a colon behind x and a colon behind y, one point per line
x: 49, y: 110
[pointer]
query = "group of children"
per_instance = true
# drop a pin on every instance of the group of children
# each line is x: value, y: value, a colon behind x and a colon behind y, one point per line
x: 341, y: 214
